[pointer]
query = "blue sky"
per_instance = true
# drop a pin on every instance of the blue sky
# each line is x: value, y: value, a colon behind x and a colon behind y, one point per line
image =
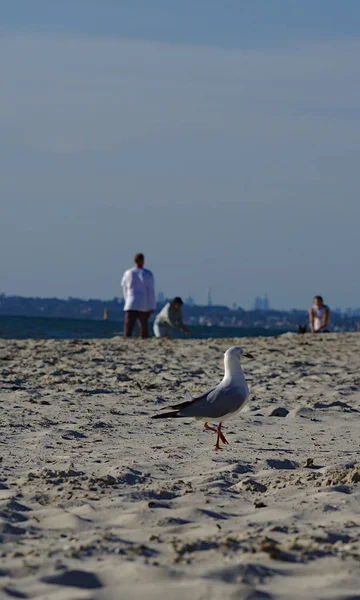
x: 230, y: 23
x: 221, y: 139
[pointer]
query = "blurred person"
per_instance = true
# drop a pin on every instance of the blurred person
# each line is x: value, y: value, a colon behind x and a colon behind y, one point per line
x: 139, y: 296
x: 170, y: 317
x: 319, y: 315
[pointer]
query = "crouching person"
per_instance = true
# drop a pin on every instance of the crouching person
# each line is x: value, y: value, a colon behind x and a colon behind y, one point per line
x: 170, y: 317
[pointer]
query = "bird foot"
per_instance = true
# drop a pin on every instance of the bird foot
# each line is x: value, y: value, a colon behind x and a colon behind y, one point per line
x: 219, y: 433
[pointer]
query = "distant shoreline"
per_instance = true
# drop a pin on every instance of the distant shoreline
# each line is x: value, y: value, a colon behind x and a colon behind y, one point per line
x: 21, y: 327
x: 259, y: 319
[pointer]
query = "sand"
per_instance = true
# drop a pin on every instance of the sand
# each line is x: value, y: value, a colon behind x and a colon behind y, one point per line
x: 99, y: 501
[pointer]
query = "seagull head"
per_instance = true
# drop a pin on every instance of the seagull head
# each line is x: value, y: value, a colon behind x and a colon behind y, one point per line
x: 237, y: 353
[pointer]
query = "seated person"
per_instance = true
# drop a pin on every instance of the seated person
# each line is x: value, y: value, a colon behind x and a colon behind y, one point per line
x: 170, y: 316
x: 319, y: 315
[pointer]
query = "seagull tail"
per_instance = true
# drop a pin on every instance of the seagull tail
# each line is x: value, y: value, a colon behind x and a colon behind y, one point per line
x: 168, y: 415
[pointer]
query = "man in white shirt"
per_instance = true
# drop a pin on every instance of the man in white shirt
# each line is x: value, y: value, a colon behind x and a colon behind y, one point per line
x: 139, y: 295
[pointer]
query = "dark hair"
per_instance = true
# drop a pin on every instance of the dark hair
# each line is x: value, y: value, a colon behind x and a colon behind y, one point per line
x: 177, y: 300
x: 320, y: 298
x: 139, y: 257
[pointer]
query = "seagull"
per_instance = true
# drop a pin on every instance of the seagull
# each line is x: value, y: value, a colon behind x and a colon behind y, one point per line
x: 218, y: 403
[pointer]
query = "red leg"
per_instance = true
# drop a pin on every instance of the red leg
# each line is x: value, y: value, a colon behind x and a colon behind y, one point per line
x: 209, y: 428
x: 217, y: 446
x: 220, y: 436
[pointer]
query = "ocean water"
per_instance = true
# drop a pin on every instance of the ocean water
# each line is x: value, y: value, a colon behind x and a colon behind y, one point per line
x: 45, y: 328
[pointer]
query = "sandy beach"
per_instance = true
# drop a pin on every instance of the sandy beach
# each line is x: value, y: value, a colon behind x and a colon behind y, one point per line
x: 99, y: 501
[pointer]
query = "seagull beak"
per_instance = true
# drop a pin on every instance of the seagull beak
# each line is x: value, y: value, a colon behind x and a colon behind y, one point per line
x: 248, y: 355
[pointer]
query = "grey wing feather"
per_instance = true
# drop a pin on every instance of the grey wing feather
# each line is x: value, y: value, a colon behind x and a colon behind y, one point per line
x: 217, y: 403
x: 190, y: 400
x: 204, y: 394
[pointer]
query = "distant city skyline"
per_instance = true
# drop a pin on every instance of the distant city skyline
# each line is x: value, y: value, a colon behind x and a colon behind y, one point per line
x: 260, y: 304
x: 220, y: 140
x: 14, y: 307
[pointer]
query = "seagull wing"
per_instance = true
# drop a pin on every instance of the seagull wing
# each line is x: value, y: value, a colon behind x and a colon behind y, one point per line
x: 191, y: 400
x: 221, y: 401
